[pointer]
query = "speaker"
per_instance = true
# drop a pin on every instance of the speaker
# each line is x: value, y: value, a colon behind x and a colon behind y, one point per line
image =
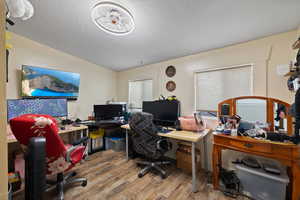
x: 35, y: 169
x: 225, y: 109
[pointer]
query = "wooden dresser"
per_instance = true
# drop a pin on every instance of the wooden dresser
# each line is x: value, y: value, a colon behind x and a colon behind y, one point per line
x: 288, y: 154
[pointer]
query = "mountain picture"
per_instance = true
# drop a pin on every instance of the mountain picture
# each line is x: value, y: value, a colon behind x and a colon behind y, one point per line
x: 43, y: 82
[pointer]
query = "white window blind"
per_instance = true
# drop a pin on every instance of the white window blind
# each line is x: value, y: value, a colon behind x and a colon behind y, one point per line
x: 139, y: 91
x: 212, y: 87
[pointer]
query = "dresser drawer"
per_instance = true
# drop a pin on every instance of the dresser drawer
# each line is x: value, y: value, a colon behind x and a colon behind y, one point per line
x: 251, y: 146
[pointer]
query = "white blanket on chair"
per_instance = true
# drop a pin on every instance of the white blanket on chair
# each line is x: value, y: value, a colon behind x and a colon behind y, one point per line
x: 20, y: 9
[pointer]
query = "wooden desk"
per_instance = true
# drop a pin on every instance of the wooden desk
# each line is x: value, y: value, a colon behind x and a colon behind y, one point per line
x: 69, y: 129
x: 13, y: 142
x: 187, y: 136
x: 288, y: 154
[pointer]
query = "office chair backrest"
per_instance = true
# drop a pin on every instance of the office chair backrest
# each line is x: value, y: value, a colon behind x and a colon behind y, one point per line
x: 144, y: 135
x: 27, y: 126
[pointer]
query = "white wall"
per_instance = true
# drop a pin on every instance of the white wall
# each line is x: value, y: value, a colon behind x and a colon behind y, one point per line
x: 97, y: 84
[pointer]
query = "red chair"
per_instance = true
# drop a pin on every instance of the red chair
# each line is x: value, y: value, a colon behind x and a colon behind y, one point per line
x: 60, y: 157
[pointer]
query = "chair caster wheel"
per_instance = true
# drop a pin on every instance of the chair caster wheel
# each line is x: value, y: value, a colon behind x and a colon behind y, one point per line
x: 140, y: 175
x: 163, y: 176
x: 84, y: 183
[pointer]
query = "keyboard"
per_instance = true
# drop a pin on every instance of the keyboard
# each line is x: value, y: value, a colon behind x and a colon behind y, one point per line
x: 102, y: 122
x: 163, y: 130
x: 108, y: 121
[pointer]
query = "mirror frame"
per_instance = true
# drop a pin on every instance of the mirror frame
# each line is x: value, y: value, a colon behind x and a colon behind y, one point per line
x: 270, y: 110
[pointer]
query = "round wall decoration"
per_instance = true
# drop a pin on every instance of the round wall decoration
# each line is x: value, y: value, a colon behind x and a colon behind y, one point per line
x: 170, y: 71
x: 171, y: 86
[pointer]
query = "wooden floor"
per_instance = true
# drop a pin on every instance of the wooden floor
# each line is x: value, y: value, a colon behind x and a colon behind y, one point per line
x: 110, y: 176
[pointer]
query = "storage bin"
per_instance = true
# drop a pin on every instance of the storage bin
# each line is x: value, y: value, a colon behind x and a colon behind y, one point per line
x: 96, y: 138
x: 118, y: 144
x: 108, y: 143
x: 261, y: 185
x: 115, y: 143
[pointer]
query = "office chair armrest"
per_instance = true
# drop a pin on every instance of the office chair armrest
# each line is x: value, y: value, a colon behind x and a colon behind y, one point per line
x: 69, y: 152
x: 164, y: 145
x: 74, y: 146
x: 74, y: 154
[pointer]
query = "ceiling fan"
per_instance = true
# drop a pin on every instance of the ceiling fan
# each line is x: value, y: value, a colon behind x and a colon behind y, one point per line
x: 19, y: 9
x: 112, y: 18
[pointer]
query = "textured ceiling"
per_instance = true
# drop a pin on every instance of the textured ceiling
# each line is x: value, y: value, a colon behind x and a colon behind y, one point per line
x: 165, y: 29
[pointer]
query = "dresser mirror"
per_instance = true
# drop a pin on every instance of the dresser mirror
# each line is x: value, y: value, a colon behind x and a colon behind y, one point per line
x: 280, y: 117
x: 269, y: 111
x: 252, y: 110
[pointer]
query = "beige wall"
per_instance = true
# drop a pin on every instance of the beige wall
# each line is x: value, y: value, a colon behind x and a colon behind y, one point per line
x: 265, y: 54
x: 97, y: 84
x: 3, y: 137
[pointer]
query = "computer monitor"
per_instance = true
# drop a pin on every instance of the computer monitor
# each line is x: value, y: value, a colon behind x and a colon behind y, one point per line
x: 165, y: 113
x: 53, y: 107
x: 107, y: 112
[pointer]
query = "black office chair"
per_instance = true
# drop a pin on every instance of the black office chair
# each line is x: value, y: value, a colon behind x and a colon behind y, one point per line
x: 148, y: 143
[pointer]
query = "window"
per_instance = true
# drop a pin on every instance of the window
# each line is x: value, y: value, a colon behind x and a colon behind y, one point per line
x: 214, y: 86
x: 139, y: 91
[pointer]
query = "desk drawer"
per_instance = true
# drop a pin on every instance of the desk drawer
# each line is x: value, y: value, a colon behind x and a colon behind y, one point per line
x: 264, y: 148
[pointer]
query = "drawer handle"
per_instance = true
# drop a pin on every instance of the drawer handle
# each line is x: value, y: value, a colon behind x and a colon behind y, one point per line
x: 248, y: 145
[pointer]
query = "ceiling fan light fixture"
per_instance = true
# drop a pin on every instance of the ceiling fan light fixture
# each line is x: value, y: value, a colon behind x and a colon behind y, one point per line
x: 113, y: 18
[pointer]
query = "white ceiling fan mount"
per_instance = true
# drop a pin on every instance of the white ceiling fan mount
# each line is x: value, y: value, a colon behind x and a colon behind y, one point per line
x: 113, y: 18
x: 20, y: 9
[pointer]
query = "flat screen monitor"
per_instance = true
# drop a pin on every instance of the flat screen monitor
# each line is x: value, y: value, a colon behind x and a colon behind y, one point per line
x: 107, y: 112
x: 53, y: 107
x: 165, y: 113
x: 49, y: 83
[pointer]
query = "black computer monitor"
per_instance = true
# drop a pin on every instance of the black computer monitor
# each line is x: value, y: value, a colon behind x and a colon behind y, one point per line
x: 165, y: 113
x: 107, y: 112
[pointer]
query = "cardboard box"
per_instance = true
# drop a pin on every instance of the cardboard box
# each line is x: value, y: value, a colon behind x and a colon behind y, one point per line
x: 184, y: 159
